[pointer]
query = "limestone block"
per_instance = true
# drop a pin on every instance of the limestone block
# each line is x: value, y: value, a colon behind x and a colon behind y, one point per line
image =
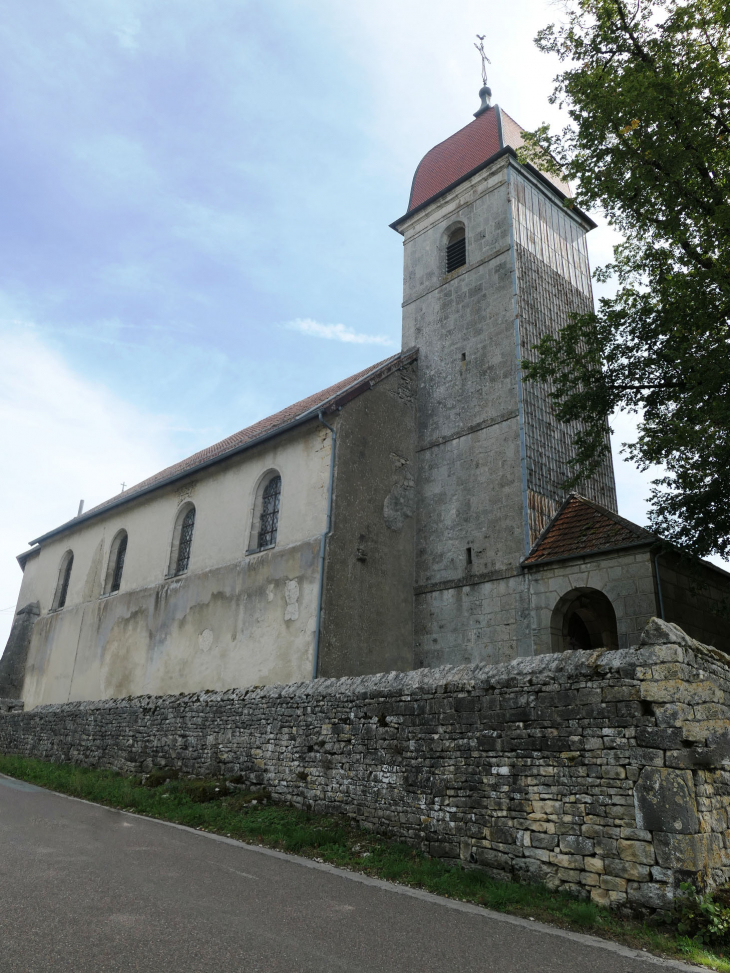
x: 652, y: 895
x: 628, y: 870
x: 613, y: 884
x: 576, y: 845
x: 636, y: 851
x: 635, y: 834
x: 600, y: 897
x: 681, y: 691
x: 659, y: 632
x: 661, y: 875
x: 566, y: 861
x: 665, y: 801
x: 570, y: 880
x: 548, y: 841
x: 689, y: 852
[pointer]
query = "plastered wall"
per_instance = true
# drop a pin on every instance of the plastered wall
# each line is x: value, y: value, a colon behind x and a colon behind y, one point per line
x: 231, y: 620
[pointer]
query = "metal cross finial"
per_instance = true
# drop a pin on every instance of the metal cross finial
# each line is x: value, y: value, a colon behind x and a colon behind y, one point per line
x: 485, y: 59
x: 124, y: 486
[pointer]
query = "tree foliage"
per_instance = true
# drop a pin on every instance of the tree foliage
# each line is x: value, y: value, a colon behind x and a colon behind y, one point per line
x: 647, y: 86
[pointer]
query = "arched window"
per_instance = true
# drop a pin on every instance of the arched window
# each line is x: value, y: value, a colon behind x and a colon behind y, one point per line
x: 115, y: 566
x: 182, y: 540
x: 583, y: 619
x: 456, y: 249
x: 64, y: 576
x: 265, y: 523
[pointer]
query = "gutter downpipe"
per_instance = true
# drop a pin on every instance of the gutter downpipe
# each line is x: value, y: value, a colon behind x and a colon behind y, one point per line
x: 659, y: 585
x: 322, y: 546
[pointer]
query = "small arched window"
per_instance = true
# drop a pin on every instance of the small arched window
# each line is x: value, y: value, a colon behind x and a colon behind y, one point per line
x: 182, y: 540
x: 115, y: 567
x: 64, y: 577
x: 265, y: 524
x: 456, y: 249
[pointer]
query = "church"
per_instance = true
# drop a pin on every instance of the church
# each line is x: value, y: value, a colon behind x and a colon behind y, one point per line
x: 410, y: 516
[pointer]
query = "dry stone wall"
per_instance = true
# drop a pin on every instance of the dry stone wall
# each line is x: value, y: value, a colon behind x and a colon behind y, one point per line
x: 605, y: 773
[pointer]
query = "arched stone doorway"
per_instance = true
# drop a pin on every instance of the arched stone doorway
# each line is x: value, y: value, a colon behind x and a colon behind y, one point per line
x: 583, y: 619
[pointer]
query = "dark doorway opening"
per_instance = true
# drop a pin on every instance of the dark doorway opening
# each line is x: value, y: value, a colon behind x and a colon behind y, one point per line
x: 583, y: 619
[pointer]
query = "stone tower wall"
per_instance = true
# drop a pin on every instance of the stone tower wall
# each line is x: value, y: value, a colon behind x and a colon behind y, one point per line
x: 470, y: 513
x: 491, y: 457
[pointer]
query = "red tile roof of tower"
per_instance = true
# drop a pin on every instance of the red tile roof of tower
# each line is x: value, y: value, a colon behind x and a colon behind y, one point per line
x: 583, y: 527
x: 464, y: 151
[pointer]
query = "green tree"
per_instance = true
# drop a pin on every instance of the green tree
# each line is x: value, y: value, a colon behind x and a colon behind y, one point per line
x: 647, y: 86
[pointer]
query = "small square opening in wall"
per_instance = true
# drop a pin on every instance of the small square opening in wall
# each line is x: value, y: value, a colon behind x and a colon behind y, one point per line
x: 463, y: 356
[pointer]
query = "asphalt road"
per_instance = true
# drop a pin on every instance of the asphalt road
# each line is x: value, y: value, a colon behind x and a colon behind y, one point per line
x: 84, y: 888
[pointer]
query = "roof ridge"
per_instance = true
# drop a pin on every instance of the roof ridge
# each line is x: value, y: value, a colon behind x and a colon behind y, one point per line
x: 623, y: 521
x: 574, y: 534
x: 269, y: 425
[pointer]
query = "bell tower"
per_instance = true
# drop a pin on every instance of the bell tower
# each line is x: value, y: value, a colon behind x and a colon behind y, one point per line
x: 493, y: 260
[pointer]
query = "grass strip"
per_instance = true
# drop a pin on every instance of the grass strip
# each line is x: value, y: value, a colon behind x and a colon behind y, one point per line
x: 252, y: 817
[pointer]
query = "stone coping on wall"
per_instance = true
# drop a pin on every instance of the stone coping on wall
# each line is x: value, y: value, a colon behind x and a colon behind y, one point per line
x: 606, y: 773
x: 533, y: 671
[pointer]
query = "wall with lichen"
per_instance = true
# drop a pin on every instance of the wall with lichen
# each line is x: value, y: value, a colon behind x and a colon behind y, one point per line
x: 367, y: 621
x: 603, y: 773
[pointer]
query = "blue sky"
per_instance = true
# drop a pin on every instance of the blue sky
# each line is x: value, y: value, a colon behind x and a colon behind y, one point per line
x: 196, y: 199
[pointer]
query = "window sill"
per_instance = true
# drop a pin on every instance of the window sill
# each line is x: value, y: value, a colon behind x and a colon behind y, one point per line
x: 260, y: 550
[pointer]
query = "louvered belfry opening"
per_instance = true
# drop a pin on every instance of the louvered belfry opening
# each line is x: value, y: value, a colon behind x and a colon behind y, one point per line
x: 456, y: 250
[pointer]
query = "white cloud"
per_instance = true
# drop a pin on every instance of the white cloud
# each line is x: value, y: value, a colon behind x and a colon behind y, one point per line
x: 335, y: 332
x: 62, y: 437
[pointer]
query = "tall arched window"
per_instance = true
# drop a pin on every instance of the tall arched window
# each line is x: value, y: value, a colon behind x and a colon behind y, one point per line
x: 267, y: 506
x: 64, y: 577
x: 186, y: 542
x: 115, y: 567
x: 269, y: 522
x: 456, y: 249
x: 182, y: 539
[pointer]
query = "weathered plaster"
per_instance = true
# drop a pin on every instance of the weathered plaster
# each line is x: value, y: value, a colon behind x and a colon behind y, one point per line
x: 231, y: 620
x: 367, y: 623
